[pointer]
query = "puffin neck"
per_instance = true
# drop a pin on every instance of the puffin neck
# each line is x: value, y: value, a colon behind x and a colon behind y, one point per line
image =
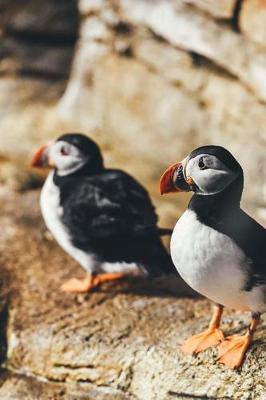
x: 88, y: 169
x: 220, y: 205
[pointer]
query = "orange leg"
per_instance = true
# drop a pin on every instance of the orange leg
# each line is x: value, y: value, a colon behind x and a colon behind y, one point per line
x: 90, y: 282
x: 233, y: 349
x: 211, y: 337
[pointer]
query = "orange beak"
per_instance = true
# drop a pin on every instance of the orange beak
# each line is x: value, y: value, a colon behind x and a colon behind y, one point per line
x: 173, y: 180
x: 39, y: 159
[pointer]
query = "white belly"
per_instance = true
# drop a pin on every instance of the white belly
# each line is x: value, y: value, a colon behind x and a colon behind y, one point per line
x: 52, y: 213
x: 210, y: 262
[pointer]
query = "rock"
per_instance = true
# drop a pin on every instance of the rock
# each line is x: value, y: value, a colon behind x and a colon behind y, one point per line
x: 122, y: 342
x: 253, y: 20
x: 157, y: 87
x: 182, y: 27
x: 38, y: 38
x: 173, y: 64
x: 219, y: 9
x: 47, y: 18
x: 36, y: 60
x: 18, y: 387
x: 94, y: 29
x: 91, y: 6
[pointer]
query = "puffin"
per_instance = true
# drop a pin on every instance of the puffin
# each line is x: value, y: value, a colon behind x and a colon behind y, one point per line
x: 217, y: 248
x: 101, y: 217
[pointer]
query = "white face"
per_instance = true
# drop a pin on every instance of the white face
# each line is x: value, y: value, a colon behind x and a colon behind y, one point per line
x: 209, y: 174
x: 65, y: 157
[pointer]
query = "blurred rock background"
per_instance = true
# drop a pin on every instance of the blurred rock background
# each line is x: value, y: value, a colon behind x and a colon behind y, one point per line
x: 148, y: 79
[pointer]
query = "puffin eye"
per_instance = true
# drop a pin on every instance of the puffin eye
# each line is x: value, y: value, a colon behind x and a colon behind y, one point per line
x: 202, y: 164
x: 64, y: 151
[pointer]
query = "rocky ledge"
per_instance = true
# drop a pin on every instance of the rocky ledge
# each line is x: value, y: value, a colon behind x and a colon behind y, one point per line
x: 122, y: 342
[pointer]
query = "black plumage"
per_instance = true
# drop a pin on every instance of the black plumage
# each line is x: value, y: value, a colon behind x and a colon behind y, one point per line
x: 109, y: 214
x: 222, y: 212
x: 217, y: 248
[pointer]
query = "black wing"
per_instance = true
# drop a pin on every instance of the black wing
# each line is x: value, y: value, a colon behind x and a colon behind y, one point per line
x: 112, y: 215
x: 251, y: 237
x: 108, y: 204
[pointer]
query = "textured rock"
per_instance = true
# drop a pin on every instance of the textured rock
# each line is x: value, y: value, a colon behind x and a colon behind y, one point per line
x: 38, y: 38
x: 184, y: 28
x: 18, y: 387
x: 36, y: 59
x: 157, y: 86
x: 90, y: 6
x: 253, y: 20
x: 58, y: 19
x: 219, y: 9
x: 118, y: 343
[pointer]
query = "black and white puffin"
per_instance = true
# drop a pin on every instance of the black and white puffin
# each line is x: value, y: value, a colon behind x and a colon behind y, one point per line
x: 216, y: 247
x: 102, y: 217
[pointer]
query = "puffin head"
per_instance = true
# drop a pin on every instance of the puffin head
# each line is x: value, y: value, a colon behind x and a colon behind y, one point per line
x: 207, y: 170
x: 69, y: 154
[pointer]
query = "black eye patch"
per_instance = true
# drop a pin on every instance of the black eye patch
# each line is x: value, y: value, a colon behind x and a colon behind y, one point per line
x: 202, y: 164
x: 64, y: 151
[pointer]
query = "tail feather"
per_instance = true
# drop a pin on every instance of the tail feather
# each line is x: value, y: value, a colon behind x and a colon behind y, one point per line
x: 158, y: 261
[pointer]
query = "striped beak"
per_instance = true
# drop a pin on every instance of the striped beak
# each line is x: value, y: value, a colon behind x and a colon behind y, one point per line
x: 173, y: 180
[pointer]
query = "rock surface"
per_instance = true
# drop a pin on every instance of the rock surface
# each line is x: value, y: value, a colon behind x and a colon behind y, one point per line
x: 121, y: 342
x: 37, y: 38
x: 219, y: 9
x: 252, y: 20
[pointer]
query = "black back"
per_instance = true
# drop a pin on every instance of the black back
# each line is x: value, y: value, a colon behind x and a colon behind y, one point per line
x: 110, y: 214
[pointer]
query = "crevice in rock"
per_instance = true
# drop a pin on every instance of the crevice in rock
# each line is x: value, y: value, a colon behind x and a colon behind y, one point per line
x: 38, y: 39
x: 123, y: 28
x: 40, y: 75
x: 74, y: 367
x: 3, y: 330
x: 193, y: 396
x: 158, y: 37
x: 126, y: 52
x: 198, y: 59
x: 201, y: 61
x: 236, y: 13
x: 43, y: 38
x: 67, y: 383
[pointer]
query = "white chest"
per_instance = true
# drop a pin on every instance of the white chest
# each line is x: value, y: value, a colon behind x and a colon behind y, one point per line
x: 51, y: 210
x: 209, y: 261
x: 52, y: 213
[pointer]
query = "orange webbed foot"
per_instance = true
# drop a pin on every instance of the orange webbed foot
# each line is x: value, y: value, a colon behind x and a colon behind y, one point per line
x: 102, y: 278
x: 233, y: 349
x: 75, y: 285
x: 202, y: 341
